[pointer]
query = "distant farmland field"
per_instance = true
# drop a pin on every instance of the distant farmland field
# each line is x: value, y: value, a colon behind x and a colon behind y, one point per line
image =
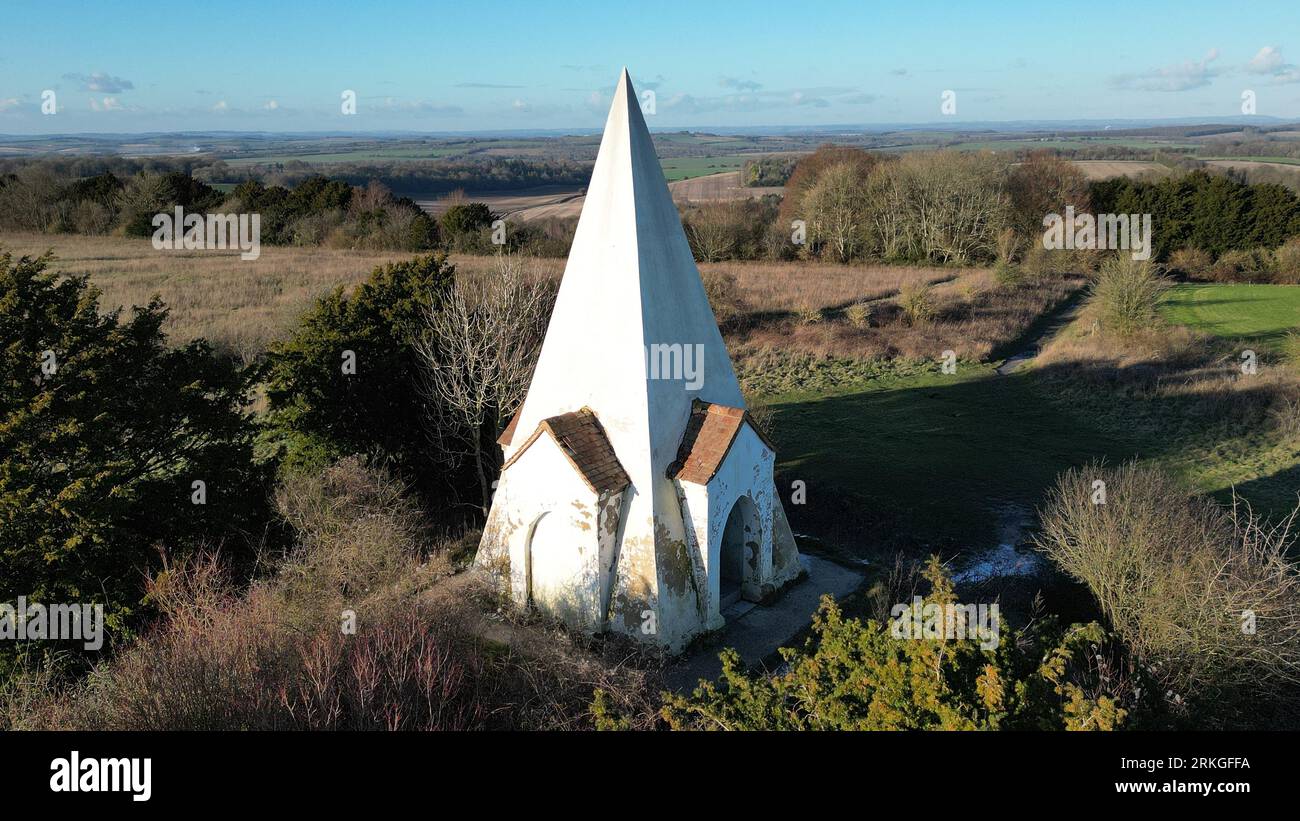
x: 1062, y: 143
x: 360, y: 155
x: 1246, y: 163
x: 546, y: 201
x: 524, y: 203
x: 684, y: 168
x: 1105, y: 169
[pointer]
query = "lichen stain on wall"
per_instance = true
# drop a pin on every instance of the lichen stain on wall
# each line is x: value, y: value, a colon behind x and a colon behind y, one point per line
x: 676, y: 573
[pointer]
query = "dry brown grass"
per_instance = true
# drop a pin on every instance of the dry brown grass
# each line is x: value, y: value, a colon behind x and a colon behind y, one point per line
x: 241, y: 305
x: 969, y: 313
x: 789, y: 286
x: 276, y: 656
x: 246, y: 305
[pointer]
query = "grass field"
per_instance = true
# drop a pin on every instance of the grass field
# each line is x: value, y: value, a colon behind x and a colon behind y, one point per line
x: 942, y: 453
x: 1272, y: 160
x: 240, y: 305
x: 359, y: 155
x: 1105, y: 169
x: 1077, y: 143
x: 1264, y: 314
x: 685, y: 168
x: 930, y: 456
x: 1056, y: 143
x: 941, y: 457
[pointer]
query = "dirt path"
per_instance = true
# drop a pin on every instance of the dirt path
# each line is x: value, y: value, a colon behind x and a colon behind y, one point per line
x: 1063, y: 315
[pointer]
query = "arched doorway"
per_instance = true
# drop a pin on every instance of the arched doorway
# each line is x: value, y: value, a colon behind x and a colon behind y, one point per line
x: 552, y: 564
x: 739, y: 551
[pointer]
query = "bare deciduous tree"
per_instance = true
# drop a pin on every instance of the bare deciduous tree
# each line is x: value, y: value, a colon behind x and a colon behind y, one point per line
x: 836, y: 210
x: 479, y: 353
x: 711, y: 231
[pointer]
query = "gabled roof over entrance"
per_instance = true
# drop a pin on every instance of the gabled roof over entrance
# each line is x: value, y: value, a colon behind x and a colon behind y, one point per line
x: 582, y: 440
x: 710, y: 432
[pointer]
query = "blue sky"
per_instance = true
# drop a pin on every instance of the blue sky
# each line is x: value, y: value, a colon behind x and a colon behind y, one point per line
x: 465, y: 66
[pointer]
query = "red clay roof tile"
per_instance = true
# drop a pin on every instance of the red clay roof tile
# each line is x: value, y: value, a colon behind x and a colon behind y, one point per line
x: 583, y: 442
x: 709, y: 434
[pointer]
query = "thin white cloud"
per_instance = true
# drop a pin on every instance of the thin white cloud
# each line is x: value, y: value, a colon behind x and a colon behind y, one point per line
x: 740, y: 85
x: 763, y: 100
x: 422, y: 107
x: 1183, y: 76
x: 1269, y: 62
x: 101, y: 83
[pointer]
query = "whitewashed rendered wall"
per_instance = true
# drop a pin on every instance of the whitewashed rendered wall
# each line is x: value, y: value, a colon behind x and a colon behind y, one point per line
x: 566, y: 549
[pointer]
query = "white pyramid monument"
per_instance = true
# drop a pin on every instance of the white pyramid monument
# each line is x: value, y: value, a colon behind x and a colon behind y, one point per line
x: 636, y: 495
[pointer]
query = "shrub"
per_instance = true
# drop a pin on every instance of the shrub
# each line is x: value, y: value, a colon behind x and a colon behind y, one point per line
x: 1008, y: 274
x: 809, y: 315
x: 855, y: 675
x: 319, y: 413
x: 1176, y: 576
x: 1240, y: 266
x: 835, y: 209
x: 148, y: 194
x: 724, y: 295
x: 1008, y: 245
x: 1193, y: 263
x: 104, y: 429
x: 1127, y: 293
x: 1040, y: 261
x: 917, y: 302
x: 1286, y: 262
x: 92, y: 217
x: 315, y: 229
x: 1291, y: 351
x: 1286, y: 416
x: 464, y: 224
x: 275, y: 657
x: 1211, y: 211
x: 859, y: 315
x: 1043, y: 183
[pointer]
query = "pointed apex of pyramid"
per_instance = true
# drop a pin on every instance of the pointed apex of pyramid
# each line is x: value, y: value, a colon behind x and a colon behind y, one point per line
x: 631, y: 299
x: 625, y: 117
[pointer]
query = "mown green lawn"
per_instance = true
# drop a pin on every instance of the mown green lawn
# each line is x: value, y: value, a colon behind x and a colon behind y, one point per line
x: 1259, y: 313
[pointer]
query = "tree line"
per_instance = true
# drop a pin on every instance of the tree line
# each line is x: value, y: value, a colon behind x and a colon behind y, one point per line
x: 317, y: 211
x: 947, y: 207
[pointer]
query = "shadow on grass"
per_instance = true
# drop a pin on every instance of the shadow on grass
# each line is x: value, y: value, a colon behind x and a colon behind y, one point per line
x: 920, y: 466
